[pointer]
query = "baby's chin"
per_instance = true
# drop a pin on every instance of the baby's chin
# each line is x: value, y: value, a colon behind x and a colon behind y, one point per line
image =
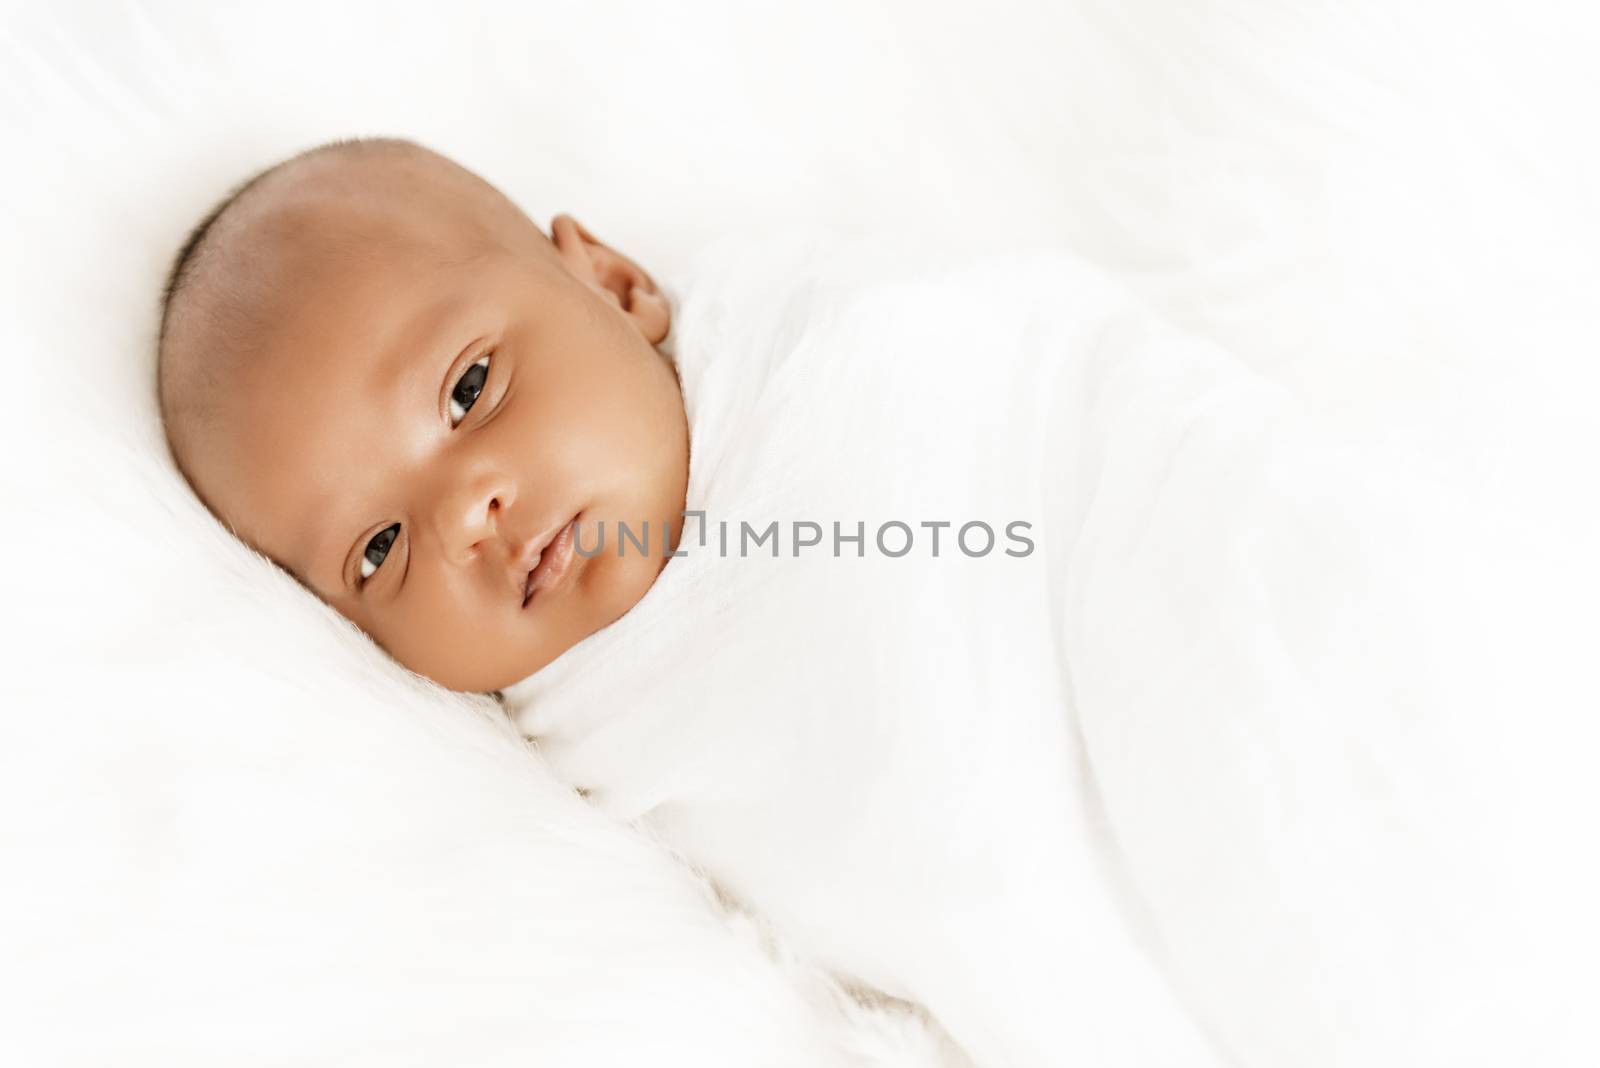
x: 600, y: 590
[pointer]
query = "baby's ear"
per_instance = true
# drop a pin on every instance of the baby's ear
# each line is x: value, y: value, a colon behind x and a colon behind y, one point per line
x: 614, y: 275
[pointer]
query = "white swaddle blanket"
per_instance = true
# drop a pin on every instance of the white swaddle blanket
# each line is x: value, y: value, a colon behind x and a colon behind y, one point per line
x: 1168, y: 775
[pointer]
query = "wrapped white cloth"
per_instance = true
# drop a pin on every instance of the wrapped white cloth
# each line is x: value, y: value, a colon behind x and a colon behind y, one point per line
x: 1184, y: 769
x: 874, y: 750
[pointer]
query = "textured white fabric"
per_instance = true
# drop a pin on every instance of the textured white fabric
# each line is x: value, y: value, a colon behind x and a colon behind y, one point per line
x: 874, y: 750
x: 232, y: 832
x: 1244, y: 688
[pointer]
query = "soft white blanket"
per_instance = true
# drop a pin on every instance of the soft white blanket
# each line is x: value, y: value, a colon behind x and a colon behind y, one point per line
x: 232, y: 833
x: 1203, y: 761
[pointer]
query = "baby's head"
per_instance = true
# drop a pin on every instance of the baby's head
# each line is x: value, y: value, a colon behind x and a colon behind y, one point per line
x: 380, y: 373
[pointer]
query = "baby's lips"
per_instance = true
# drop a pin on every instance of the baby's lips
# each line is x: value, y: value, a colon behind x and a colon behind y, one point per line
x: 527, y: 583
x: 547, y: 559
x: 527, y: 562
x: 548, y: 571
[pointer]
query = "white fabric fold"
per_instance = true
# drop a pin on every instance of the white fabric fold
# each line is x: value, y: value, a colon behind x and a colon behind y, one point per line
x: 1229, y: 754
x: 875, y: 750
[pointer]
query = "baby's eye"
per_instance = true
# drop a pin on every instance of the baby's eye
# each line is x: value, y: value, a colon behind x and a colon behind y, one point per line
x: 465, y: 395
x: 377, y: 549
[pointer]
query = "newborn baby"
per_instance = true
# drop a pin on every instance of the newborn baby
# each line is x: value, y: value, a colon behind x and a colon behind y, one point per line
x: 1068, y: 800
x: 379, y: 372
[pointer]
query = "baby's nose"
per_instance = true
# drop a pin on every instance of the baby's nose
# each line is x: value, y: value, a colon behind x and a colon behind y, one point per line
x: 469, y: 516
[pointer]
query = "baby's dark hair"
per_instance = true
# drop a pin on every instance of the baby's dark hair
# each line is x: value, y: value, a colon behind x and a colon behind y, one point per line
x: 184, y: 393
x: 184, y: 264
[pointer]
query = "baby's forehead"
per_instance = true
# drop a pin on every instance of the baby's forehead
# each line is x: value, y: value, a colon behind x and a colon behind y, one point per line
x: 320, y: 264
x: 311, y: 227
x: 384, y: 203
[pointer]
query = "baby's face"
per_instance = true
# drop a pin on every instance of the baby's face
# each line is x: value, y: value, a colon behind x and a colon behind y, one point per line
x: 438, y: 393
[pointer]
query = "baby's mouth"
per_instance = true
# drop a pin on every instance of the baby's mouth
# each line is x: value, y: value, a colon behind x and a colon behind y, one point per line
x: 555, y: 560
